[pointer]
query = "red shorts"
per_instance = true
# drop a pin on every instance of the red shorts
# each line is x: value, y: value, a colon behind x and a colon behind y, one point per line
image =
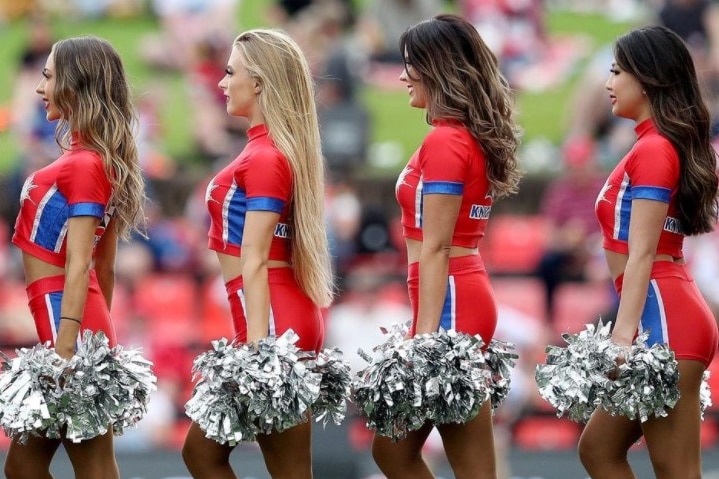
x: 45, y: 297
x: 676, y: 314
x: 469, y: 305
x: 290, y: 308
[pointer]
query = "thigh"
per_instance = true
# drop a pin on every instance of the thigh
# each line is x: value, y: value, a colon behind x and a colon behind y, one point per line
x: 674, y: 441
x: 32, y: 459
x: 93, y: 458
x: 288, y: 453
x: 470, y: 446
x: 405, y: 450
x: 609, y: 436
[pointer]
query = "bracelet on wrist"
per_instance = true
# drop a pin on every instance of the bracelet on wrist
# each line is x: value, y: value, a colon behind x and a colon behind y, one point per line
x: 71, y: 319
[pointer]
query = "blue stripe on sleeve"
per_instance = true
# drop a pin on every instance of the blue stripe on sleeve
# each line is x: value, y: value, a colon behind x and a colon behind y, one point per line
x: 655, y: 193
x: 265, y: 203
x: 443, y: 188
x: 86, y: 209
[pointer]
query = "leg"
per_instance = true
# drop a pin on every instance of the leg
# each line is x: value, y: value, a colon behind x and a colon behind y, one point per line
x: 31, y: 460
x: 470, y: 446
x: 94, y: 458
x: 288, y: 454
x: 673, y: 441
x: 402, y: 459
x: 604, y: 445
x: 206, y: 458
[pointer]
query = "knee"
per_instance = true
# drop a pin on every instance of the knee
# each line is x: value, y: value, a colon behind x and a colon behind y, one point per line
x: 15, y: 469
x: 588, y: 453
x: 380, y: 456
x: 191, y: 455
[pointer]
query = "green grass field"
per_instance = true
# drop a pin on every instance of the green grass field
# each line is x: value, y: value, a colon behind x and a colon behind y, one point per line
x: 540, y: 114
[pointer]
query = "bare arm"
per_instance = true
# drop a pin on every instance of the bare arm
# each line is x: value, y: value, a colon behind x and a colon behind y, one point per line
x: 80, y: 238
x: 440, y: 213
x: 645, y: 227
x: 105, y: 255
x: 256, y: 240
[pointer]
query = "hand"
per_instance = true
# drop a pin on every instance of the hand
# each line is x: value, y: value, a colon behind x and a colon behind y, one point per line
x: 64, y: 352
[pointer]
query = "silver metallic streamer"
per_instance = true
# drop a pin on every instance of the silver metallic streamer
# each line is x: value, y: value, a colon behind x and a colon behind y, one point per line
x: 331, y: 405
x: 575, y: 379
x: 249, y: 389
x: 501, y: 359
x: 440, y: 377
x: 80, y: 398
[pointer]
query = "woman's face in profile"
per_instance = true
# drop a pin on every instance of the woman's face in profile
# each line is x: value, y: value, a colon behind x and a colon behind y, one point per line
x: 46, y: 89
x: 415, y: 87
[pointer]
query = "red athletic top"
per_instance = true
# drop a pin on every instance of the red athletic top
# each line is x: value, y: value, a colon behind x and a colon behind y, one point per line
x: 650, y: 171
x: 449, y: 161
x: 75, y: 184
x: 259, y: 179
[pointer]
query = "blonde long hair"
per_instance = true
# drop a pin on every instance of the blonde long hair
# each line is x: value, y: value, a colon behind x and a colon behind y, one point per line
x: 93, y: 95
x: 287, y: 101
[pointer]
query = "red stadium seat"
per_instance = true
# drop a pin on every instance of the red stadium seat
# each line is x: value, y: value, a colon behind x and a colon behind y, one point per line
x: 546, y: 433
x: 513, y: 244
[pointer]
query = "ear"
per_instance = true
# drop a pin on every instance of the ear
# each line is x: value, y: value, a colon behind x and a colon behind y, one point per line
x: 258, y: 88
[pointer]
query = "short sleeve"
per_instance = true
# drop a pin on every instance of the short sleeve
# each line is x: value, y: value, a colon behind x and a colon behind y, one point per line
x: 267, y: 181
x: 443, y: 161
x: 654, y: 170
x: 84, y: 184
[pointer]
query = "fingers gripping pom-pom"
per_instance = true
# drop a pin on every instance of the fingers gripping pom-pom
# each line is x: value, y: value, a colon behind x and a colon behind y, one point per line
x: 647, y: 383
x: 575, y: 379
x: 331, y: 405
x: 249, y: 389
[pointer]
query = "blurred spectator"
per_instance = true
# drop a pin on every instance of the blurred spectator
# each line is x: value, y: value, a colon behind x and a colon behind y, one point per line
x: 217, y: 135
x: 568, y: 206
x: 184, y: 24
x: 343, y: 210
x: 382, y: 22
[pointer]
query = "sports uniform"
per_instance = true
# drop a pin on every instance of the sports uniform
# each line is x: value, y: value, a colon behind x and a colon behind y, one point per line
x: 675, y: 312
x: 75, y: 184
x: 260, y: 179
x: 450, y: 161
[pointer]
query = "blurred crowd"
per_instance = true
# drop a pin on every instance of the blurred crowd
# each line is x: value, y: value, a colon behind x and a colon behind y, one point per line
x: 545, y: 259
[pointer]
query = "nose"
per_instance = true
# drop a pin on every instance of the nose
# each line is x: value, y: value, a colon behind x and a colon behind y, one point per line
x: 403, y: 75
x: 40, y: 89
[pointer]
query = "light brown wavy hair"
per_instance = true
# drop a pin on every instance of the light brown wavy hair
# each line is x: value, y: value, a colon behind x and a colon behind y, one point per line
x: 93, y: 96
x: 287, y: 100
x: 463, y: 82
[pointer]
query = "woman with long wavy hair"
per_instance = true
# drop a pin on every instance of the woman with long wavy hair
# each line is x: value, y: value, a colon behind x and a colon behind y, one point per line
x: 446, y: 192
x: 267, y: 228
x: 72, y: 214
x: 664, y: 189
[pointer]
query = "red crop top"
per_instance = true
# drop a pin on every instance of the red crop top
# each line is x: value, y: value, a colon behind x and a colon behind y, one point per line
x: 259, y: 179
x: 449, y: 161
x: 650, y: 171
x: 73, y: 185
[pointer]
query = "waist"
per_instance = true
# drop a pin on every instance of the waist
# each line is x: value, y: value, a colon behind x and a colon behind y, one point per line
x: 660, y: 269
x: 457, y: 265
x: 414, y: 247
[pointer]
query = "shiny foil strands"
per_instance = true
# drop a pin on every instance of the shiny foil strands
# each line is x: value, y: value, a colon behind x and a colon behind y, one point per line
x: 79, y: 398
x: 249, y: 389
x: 501, y: 359
x: 30, y: 392
x: 575, y: 379
x: 705, y: 394
x: 646, y: 384
x: 331, y: 405
x: 104, y: 386
x: 440, y: 377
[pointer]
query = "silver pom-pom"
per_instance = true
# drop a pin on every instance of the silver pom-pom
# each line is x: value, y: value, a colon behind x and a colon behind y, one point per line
x: 104, y: 386
x: 440, y: 377
x: 575, y: 379
x: 331, y: 405
x: 456, y: 380
x: 501, y: 359
x: 247, y: 389
x: 388, y: 390
x: 705, y: 394
x: 647, y: 382
x: 30, y: 392
x: 79, y: 398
